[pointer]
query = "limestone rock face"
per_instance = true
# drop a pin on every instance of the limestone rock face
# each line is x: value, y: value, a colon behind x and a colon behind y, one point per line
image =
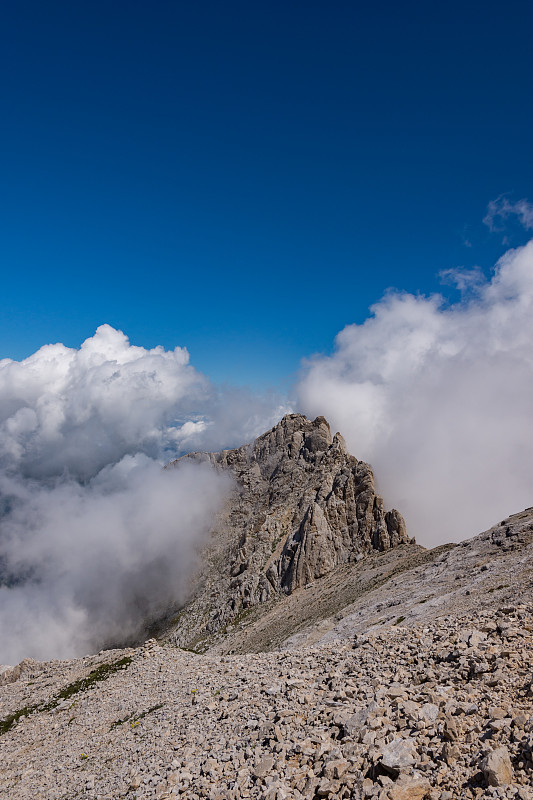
x: 303, y: 507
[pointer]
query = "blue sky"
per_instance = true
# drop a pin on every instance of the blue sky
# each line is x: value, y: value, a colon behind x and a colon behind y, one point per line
x: 245, y: 179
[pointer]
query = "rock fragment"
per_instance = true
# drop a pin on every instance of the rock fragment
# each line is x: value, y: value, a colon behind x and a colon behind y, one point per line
x: 497, y: 768
x: 399, y: 754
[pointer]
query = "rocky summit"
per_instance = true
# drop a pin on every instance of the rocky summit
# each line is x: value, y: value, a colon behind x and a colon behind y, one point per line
x: 303, y: 506
x: 328, y: 656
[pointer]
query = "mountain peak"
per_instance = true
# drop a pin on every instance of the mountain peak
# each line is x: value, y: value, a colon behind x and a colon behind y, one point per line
x: 303, y: 507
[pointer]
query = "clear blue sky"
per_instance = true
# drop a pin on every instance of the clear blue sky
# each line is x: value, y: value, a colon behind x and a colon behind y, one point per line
x: 246, y: 178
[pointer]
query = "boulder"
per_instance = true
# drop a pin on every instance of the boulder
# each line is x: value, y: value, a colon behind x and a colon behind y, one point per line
x: 497, y: 768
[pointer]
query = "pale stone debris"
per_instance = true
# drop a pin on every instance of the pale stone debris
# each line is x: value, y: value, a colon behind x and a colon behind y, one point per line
x: 398, y: 713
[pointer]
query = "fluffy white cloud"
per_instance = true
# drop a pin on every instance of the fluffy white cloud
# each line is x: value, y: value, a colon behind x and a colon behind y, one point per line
x: 78, y: 410
x: 439, y: 399
x: 95, y: 538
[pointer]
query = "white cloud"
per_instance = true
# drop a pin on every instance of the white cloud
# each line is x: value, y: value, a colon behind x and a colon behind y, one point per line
x: 440, y: 400
x: 94, y: 537
x: 466, y: 280
x: 499, y: 210
x: 93, y: 562
x: 78, y: 410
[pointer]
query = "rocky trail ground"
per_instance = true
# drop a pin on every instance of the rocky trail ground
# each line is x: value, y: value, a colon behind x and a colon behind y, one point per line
x: 443, y: 710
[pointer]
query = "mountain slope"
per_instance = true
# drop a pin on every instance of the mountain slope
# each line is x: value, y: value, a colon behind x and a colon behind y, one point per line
x: 406, y: 586
x: 436, y: 706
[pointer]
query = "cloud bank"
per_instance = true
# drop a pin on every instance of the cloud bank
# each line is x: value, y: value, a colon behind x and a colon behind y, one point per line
x: 439, y: 399
x: 95, y: 538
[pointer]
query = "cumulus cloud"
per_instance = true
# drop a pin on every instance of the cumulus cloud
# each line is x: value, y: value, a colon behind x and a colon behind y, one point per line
x: 77, y: 410
x: 95, y: 538
x: 439, y: 399
x: 499, y: 210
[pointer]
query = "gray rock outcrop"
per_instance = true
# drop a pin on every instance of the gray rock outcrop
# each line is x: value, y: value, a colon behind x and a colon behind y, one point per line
x: 303, y: 507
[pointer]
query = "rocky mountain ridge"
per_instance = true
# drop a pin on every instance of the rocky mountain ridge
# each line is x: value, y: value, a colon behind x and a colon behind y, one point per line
x: 303, y: 507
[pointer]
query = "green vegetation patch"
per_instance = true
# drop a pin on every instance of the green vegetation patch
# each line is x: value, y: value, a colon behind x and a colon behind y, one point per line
x: 101, y: 673
x: 241, y: 615
x: 7, y: 723
x: 134, y: 719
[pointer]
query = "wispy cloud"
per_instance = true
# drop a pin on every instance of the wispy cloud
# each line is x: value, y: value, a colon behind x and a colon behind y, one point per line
x: 499, y: 210
x: 466, y: 280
